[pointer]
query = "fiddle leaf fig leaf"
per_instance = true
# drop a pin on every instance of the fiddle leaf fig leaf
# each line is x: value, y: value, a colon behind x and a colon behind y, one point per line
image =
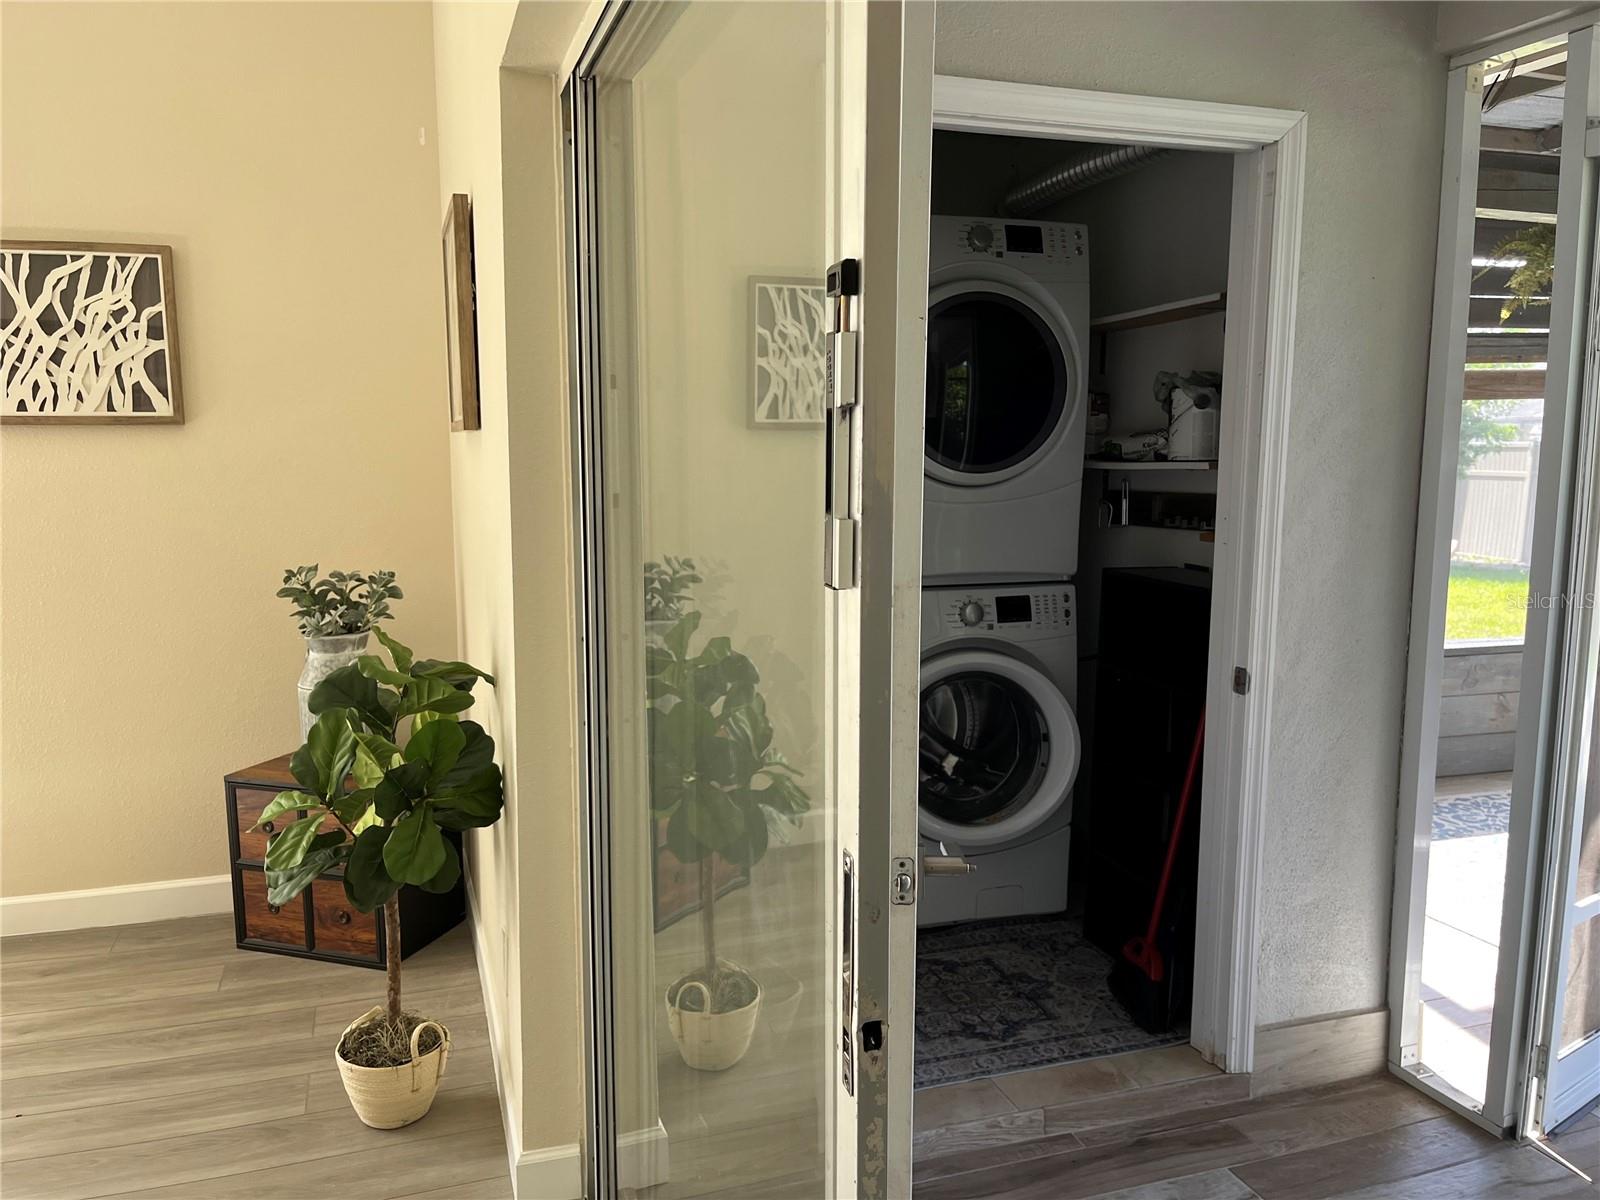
x: 286, y: 849
x: 677, y: 638
x: 375, y: 754
x: 437, y: 745
x: 398, y: 651
x: 414, y: 851
x: 286, y: 802
x: 367, y: 882
x: 399, y: 789
x: 432, y: 695
x: 456, y: 673
x: 374, y: 667
x: 284, y: 886
x: 332, y: 744
x: 448, y: 875
x: 349, y: 688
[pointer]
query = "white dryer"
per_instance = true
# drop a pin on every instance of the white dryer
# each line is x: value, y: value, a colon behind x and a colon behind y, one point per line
x: 1007, y: 398
x: 999, y: 747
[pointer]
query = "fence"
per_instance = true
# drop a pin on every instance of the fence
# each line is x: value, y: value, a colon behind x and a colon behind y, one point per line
x: 1494, y: 506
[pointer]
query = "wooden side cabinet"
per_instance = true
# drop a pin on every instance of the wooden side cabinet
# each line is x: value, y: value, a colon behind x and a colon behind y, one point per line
x: 320, y: 922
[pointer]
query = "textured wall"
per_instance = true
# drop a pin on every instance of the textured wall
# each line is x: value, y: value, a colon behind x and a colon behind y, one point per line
x: 499, y: 141
x: 1373, y: 86
x: 144, y: 652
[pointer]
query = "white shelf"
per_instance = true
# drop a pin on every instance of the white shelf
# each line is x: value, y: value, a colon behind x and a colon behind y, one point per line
x: 1162, y: 314
x: 1115, y: 464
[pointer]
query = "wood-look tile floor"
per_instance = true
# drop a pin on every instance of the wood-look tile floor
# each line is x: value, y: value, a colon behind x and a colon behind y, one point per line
x: 158, y: 1060
x: 1163, y: 1125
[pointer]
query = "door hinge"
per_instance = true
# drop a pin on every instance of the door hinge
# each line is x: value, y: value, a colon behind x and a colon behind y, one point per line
x: 1241, y: 680
x: 903, y: 881
x: 841, y: 493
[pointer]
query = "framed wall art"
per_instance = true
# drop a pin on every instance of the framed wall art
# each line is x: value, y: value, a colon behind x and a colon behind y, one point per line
x: 88, y: 334
x: 788, y: 363
x: 460, y: 313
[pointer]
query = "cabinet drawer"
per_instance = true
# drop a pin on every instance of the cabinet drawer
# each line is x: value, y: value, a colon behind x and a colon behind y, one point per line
x: 264, y: 922
x: 339, y: 927
x: 248, y: 803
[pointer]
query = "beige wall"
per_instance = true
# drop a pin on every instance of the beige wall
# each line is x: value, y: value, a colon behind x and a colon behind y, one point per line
x: 499, y: 142
x: 285, y: 151
x: 1372, y: 84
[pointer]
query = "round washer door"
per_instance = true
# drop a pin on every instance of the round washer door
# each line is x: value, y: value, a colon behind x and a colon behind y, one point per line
x: 998, y: 748
x: 1002, y: 381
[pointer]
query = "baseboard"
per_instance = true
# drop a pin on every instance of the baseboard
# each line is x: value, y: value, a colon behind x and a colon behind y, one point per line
x: 130, y: 904
x: 551, y: 1173
x: 643, y: 1158
x: 1301, y: 1054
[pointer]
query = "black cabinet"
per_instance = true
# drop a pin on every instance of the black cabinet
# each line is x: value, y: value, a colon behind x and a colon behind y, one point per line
x: 1154, y: 634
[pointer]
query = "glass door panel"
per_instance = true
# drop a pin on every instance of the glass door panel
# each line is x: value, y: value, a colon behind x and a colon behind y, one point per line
x: 709, y: 239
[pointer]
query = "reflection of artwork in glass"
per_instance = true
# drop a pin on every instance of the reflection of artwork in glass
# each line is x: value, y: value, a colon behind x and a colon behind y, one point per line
x: 788, y: 358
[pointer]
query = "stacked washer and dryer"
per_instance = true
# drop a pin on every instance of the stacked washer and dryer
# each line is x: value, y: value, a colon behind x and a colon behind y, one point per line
x: 1008, y: 324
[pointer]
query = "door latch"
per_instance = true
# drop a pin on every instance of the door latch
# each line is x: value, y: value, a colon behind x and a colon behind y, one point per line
x: 841, y: 494
x: 1241, y: 680
x: 903, y: 881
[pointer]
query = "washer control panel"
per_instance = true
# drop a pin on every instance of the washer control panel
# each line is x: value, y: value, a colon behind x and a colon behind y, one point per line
x: 997, y: 238
x: 1045, y: 610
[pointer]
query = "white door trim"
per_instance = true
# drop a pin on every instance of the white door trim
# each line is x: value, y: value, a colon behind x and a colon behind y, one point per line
x: 1260, y: 321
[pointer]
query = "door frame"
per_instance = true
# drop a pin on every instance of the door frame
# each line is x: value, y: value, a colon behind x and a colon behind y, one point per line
x: 1513, y: 1050
x: 1263, y: 283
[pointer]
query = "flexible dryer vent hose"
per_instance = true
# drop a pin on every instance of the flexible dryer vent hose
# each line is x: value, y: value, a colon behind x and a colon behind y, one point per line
x: 1085, y: 171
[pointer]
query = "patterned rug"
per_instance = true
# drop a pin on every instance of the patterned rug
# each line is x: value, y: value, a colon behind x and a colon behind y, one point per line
x: 995, y: 997
x: 1471, y: 816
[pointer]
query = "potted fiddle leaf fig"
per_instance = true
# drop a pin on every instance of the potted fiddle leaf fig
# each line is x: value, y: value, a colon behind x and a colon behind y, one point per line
x: 389, y: 814
x: 722, y: 786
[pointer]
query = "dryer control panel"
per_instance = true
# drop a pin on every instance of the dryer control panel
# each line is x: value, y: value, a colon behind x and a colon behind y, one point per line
x: 1000, y: 238
x: 1020, y: 610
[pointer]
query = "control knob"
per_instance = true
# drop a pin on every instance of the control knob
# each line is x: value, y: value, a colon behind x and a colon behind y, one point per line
x: 980, y: 237
x: 972, y: 613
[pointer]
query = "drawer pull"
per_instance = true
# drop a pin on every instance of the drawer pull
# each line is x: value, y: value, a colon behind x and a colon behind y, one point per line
x: 268, y: 828
x: 342, y: 917
x: 273, y: 909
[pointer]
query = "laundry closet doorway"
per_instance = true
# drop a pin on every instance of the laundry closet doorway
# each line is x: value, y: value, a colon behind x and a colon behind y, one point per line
x: 1257, y: 304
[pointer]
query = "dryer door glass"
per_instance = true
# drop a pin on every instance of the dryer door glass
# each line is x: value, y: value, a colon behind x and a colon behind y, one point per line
x: 997, y: 383
x: 984, y: 747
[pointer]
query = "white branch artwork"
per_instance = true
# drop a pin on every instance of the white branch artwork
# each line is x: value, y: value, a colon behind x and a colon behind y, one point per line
x: 86, y: 334
x: 790, y: 370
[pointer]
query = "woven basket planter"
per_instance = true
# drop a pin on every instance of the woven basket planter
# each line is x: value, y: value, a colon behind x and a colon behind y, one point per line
x: 710, y: 1041
x: 389, y: 1097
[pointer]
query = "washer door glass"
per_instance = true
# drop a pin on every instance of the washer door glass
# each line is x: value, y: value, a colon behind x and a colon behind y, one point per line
x: 997, y: 382
x: 984, y: 746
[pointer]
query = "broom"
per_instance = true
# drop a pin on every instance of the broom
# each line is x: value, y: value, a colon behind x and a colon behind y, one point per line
x: 1136, y: 980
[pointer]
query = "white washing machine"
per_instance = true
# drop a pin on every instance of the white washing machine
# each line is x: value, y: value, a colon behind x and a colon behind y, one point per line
x: 998, y: 747
x: 1007, y: 399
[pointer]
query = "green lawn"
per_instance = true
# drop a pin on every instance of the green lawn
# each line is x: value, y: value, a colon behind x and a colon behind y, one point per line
x: 1486, y: 602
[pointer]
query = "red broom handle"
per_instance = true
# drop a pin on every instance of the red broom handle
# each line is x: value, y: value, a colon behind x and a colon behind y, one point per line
x: 1177, y: 829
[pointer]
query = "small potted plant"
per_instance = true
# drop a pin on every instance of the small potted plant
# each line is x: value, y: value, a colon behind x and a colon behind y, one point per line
x: 335, y: 615
x: 390, y: 816
x: 722, y: 786
x: 666, y: 592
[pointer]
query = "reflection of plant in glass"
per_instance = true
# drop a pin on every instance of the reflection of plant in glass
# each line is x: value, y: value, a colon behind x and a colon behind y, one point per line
x: 1534, y: 250
x: 716, y: 777
x: 1483, y: 429
x: 666, y: 587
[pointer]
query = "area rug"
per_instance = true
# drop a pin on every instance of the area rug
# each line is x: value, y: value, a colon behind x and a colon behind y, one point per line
x: 994, y: 997
x: 1471, y: 816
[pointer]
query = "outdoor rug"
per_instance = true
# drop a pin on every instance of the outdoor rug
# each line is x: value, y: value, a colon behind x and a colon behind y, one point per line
x: 994, y: 997
x: 1471, y: 816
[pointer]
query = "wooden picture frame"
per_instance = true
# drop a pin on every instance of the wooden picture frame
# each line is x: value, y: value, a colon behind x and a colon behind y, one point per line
x: 460, y: 320
x: 147, y: 388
